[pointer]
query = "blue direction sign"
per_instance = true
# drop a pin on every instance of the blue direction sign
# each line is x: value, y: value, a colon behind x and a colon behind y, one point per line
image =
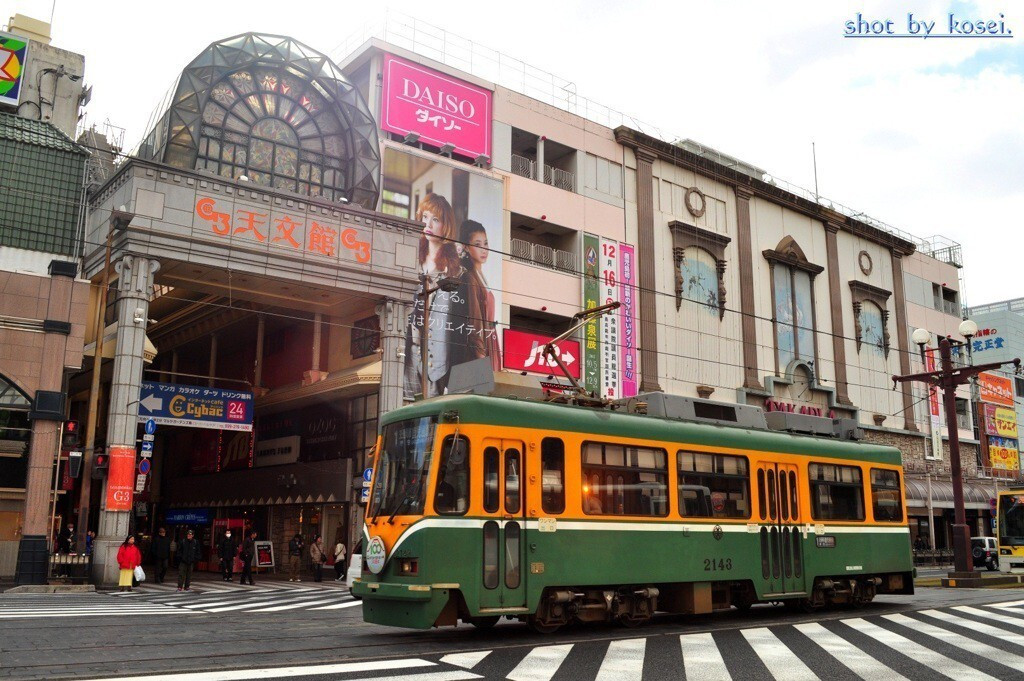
x: 150, y: 426
x: 368, y: 475
x: 195, y: 406
x: 364, y: 496
x: 147, y: 446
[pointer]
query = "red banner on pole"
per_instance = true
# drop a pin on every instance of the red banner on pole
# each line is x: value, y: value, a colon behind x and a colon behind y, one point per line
x: 120, y: 478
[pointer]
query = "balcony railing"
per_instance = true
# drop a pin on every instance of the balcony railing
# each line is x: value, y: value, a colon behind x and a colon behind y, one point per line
x: 523, y: 166
x: 556, y: 177
x: 545, y: 256
x: 963, y: 422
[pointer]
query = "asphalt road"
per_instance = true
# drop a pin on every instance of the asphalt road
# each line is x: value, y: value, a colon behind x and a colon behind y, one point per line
x: 103, y: 635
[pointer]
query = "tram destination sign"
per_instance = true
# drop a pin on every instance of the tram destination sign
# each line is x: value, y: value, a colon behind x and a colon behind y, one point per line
x: 195, y: 406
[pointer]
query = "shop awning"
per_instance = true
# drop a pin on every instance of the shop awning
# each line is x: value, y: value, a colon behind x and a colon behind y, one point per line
x: 110, y: 341
x: 976, y: 495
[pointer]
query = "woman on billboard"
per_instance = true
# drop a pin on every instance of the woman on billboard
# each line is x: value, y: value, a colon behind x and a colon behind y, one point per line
x: 438, y: 259
x: 480, y: 301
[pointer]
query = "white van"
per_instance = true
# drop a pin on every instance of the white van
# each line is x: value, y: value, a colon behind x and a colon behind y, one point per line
x: 355, y: 566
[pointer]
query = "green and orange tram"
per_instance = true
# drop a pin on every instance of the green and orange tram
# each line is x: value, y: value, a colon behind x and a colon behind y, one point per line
x: 485, y: 507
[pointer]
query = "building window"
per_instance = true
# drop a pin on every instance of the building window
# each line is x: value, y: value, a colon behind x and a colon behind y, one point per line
x: 620, y: 480
x: 837, y: 492
x: 713, y: 486
x: 365, y: 337
x: 362, y: 421
x: 870, y: 317
x: 886, y: 499
x: 792, y: 279
x: 700, y: 266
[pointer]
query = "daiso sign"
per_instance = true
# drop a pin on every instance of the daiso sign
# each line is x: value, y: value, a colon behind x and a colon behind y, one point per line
x: 440, y: 109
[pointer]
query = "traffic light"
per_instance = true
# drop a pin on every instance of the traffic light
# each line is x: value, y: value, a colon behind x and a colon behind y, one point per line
x: 100, y: 464
x: 71, y: 439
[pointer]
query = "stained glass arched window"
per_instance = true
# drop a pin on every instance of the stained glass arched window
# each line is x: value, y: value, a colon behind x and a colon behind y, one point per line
x: 276, y: 111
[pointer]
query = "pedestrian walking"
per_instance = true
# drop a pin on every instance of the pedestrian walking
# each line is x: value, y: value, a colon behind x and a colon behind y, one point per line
x: 89, y: 536
x: 227, y: 551
x: 161, y: 554
x: 318, y: 558
x: 340, y: 550
x: 188, y: 556
x: 128, y: 558
x: 248, y: 555
x: 295, y: 547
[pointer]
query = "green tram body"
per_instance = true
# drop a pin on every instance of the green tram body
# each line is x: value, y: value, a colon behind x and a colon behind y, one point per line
x: 642, y: 563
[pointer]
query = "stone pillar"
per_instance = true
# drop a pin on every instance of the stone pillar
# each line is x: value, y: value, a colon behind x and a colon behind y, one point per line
x: 748, y: 322
x: 647, y: 260
x: 394, y: 316
x: 134, y: 290
x: 899, y: 294
x: 836, y: 308
x: 315, y: 373
x: 33, y: 557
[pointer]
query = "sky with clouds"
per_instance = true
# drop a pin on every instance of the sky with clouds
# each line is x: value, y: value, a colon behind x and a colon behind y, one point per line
x: 926, y: 135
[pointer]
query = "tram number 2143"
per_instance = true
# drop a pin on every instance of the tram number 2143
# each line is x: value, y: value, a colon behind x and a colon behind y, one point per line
x: 712, y: 565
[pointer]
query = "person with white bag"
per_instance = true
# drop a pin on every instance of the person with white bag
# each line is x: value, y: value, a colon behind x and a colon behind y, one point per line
x: 129, y: 559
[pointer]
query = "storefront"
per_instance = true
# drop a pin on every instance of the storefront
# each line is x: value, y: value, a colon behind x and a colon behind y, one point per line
x: 977, y: 510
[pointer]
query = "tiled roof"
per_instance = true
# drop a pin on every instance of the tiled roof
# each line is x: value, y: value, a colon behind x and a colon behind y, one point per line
x: 38, y: 133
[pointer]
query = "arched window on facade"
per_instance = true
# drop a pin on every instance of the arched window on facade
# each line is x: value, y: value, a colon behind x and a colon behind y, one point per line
x: 698, y: 270
x: 792, y: 279
x: 15, y: 432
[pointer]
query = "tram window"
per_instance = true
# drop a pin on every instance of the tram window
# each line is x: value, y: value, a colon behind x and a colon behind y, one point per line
x: 794, y: 504
x: 837, y: 492
x: 512, y: 572
x: 762, y: 498
x: 491, y: 554
x: 512, y: 481
x: 886, y: 500
x: 620, y: 480
x: 452, y: 495
x: 552, y: 463
x: 783, y: 497
x: 492, y: 459
x: 772, y: 505
x: 713, y: 485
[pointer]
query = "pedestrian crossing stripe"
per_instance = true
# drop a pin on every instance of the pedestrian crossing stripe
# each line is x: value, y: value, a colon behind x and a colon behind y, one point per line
x: 969, y: 643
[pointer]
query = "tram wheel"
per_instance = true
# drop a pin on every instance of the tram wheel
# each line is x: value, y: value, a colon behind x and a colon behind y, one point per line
x: 630, y: 622
x: 540, y: 627
x: 484, y: 622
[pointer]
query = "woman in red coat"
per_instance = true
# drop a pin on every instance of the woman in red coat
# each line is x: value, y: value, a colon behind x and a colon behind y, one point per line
x: 128, y: 558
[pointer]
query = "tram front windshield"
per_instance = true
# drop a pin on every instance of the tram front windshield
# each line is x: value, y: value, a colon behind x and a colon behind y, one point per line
x: 1011, y: 520
x: 399, y: 486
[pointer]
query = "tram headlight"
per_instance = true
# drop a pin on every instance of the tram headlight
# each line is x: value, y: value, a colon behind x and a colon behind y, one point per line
x: 408, y: 567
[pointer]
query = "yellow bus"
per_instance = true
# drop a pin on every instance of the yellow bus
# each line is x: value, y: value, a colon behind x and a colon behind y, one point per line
x: 1010, y: 529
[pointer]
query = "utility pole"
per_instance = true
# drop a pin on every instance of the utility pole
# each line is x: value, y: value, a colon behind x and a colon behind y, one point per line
x: 947, y: 379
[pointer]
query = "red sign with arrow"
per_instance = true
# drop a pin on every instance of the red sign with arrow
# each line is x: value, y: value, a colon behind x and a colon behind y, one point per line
x: 525, y: 352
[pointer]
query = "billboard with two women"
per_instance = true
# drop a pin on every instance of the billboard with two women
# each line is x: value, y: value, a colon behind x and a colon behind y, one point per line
x: 461, y: 213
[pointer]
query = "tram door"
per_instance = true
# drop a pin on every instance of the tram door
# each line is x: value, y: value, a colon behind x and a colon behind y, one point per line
x: 504, y: 530
x: 782, y: 554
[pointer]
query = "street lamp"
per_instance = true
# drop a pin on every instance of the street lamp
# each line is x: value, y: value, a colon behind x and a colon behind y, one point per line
x: 948, y: 379
x: 448, y: 285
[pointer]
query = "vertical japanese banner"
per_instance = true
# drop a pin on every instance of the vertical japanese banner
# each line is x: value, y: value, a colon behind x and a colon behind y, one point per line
x: 934, y: 413
x: 627, y: 320
x: 592, y: 335
x: 609, y: 293
x: 120, y: 478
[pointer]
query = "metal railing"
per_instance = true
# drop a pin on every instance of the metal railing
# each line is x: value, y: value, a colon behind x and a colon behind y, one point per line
x: 522, y: 166
x: 562, y: 179
x: 545, y: 256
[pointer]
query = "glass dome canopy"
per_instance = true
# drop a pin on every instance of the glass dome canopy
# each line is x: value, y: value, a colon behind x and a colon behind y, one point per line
x: 274, y: 110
